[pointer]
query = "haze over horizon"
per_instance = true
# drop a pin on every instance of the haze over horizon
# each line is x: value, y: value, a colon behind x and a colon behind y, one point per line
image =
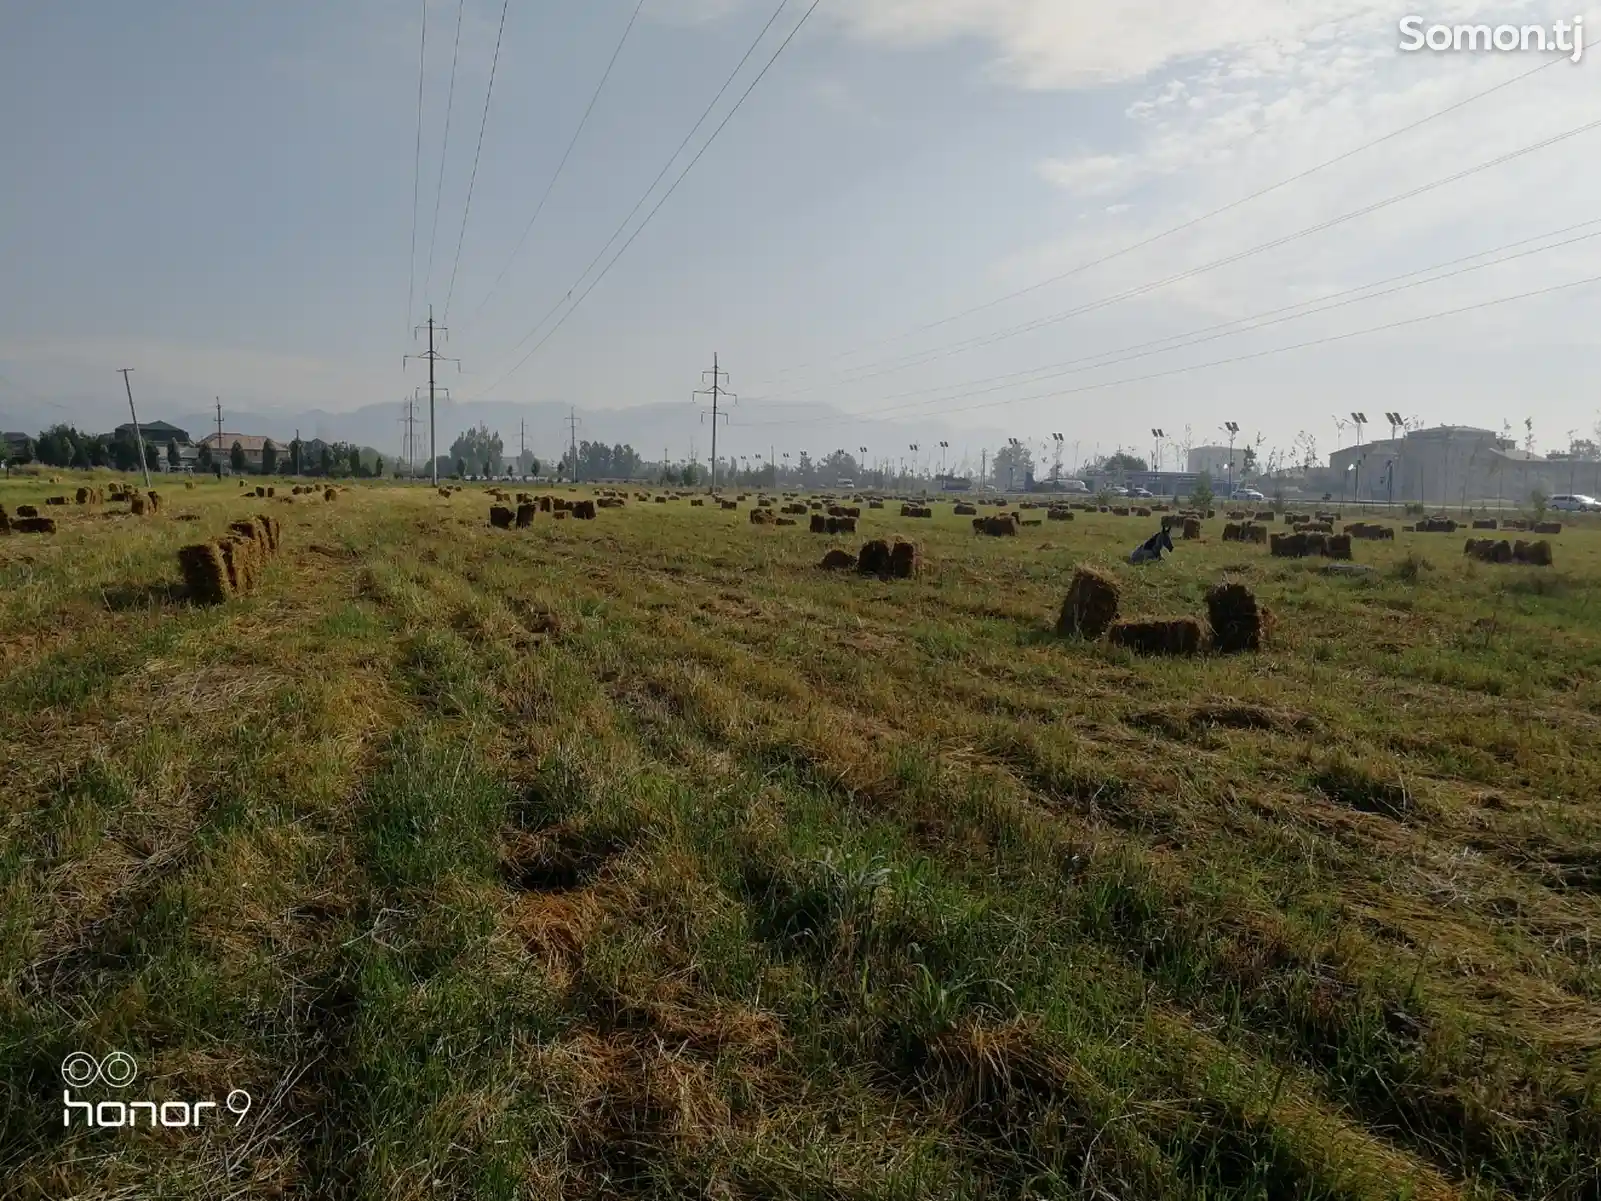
x: 223, y: 200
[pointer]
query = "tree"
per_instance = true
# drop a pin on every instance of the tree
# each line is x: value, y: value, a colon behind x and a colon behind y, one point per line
x: 1011, y: 466
x: 378, y: 467
x: 526, y: 463
x: 1248, y: 459
x: 479, y: 450
x: 533, y: 466
x: 269, y: 457
x: 80, y: 456
x: 1122, y: 461
x: 236, y: 458
x: 203, y: 459
x: 691, y: 475
x: 1539, y: 502
x: 461, y: 469
x: 152, y: 457
x: 355, y: 461
x: 1201, y: 492
x: 174, y: 459
x: 122, y: 453
x: 327, y: 460
x: 297, y: 450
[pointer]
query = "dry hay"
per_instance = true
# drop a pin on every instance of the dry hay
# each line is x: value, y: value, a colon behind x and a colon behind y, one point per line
x: 1437, y: 525
x: 205, y: 572
x: 215, y: 571
x: 1337, y: 546
x: 1002, y: 525
x: 55, y: 500
x: 1164, y: 636
x: 1320, y: 515
x: 1256, y: 534
x: 526, y: 511
x: 729, y: 505
x: 83, y: 496
x: 966, y: 510
x: 1299, y: 546
x: 329, y: 493
x: 1514, y: 523
x: 1489, y: 550
x: 838, y: 560
x: 837, y: 525
x: 819, y: 524
x: 1142, y: 512
x: 1372, y: 532
x: 1031, y: 521
x: 1547, y: 527
x: 611, y: 502
x: 903, y: 559
x: 1090, y: 606
x: 794, y: 509
x: 583, y: 510
x: 1236, y: 514
x: 1057, y: 514
x: 697, y: 503
x: 500, y: 517
x: 874, y: 559
x: 1192, y: 527
x: 1537, y: 554
x: 1315, y: 527
x: 1237, y: 622
x: 661, y: 500
x: 137, y: 505
x: 561, y: 514
x: 1120, y: 511
x: 1484, y: 523
x: 1269, y: 515
x: 761, y: 516
x: 34, y: 525
x: 916, y: 511
x: 875, y: 504
x: 783, y: 521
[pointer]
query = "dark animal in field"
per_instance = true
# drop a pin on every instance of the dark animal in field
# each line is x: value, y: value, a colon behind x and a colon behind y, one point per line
x: 1151, y: 549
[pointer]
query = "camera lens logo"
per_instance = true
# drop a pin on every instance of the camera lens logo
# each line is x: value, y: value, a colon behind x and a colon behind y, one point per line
x: 117, y: 1069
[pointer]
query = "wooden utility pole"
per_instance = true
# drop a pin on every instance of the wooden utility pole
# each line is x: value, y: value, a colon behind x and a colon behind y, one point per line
x: 138, y: 436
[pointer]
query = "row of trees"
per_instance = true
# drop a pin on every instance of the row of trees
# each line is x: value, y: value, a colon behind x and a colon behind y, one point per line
x: 66, y: 446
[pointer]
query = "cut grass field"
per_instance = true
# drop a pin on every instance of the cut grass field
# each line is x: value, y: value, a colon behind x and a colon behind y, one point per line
x: 638, y: 857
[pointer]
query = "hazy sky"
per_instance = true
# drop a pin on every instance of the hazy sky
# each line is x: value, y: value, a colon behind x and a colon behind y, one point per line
x: 221, y: 196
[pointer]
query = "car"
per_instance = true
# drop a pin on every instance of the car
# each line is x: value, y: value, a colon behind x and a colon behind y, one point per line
x: 1074, y: 486
x: 1577, y: 503
x: 1140, y: 492
x: 1248, y: 494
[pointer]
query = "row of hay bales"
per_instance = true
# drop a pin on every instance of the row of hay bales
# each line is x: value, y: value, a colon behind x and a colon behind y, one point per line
x: 27, y: 521
x: 832, y: 525
x: 1494, y: 550
x: 887, y: 561
x: 764, y: 516
x: 916, y: 511
x: 1235, y: 622
x: 223, y: 568
x: 1308, y: 543
x: 1370, y: 531
x: 502, y: 517
x: 1248, y: 532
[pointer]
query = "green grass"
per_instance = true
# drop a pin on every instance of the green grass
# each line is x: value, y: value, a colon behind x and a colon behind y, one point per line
x: 641, y: 858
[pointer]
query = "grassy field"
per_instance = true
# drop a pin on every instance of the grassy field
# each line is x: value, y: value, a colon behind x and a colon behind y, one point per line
x: 640, y: 858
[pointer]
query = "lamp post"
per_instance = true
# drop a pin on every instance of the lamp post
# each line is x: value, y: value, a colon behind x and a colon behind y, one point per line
x: 1156, y: 458
x: 943, y: 447
x: 1233, y: 429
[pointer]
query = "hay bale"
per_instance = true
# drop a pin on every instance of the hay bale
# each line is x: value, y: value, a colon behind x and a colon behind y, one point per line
x: 1236, y: 514
x: 27, y: 511
x: 1547, y: 527
x: 875, y: 504
x: 155, y: 501
x: 1231, y: 532
x: 784, y: 521
x: 261, y: 491
x: 1192, y: 528
x: 205, y: 572
x: 1314, y: 527
x: 1235, y: 618
x: 1484, y: 523
x: 526, y: 512
x: 1001, y: 526
x: 329, y: 493
x: 760, y: 516
x: 838, y: 525
x: 1090, y: 606
x: 966, y: 510
x: 661, y: 500
x: 1265, y: 515
x: 1166, y: 636
x: 83, y: 496
x: 583, y: 510
x: 838, y: 560
x: 137, y: 505
x: 1255, y: 533
x: 1120, y: 511
x: 34, y: 525
x: 874, y: 559
x: 819, y: 524
x: 1059, y: 514
x: 501, y: 517
x: 561, y: 514
x: 729, y: 505
x: 1142, y: 511
x: 55, y: 500
x: 1337, y: 546
x: 903, y: 559
x: 1536, y: 554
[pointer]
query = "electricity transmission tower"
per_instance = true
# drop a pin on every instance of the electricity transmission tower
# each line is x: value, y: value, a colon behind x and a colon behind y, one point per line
x: 433, y: 357
x: 717, y: 391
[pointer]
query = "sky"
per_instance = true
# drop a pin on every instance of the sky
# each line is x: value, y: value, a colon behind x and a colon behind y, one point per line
x: 221, y: 196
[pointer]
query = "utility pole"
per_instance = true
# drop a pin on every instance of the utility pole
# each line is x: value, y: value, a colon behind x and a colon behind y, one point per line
x: 572, y: 426
x: 717, y: 391
x: 433, y: 356
x: 522, y: 444
x: 217, y: 458
x: 138, y: 435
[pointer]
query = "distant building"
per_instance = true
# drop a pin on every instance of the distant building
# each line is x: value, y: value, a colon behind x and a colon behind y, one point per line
x: 154, y: 431
x: 1453, y: 465
x: 222, y: 448
x: 1215, y: 460
x: 15, y: 444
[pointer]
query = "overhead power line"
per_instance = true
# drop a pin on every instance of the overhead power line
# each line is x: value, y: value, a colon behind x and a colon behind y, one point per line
x: 1194, y: 221
x: 974, y: 343
x: 660, y: 175
x: 665, y: 197
x: 562, y: 166
x: 444, y: 149
x: 1259, y: 321
x: 1243, y: 358
x: 473, y: 179
x: 416, y: 167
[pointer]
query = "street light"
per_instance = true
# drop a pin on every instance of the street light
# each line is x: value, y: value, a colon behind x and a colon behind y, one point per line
x: 1396, y: 422
x: 1360, y: 419
x: 943, y: 447
x: 1233, y: 430
x: 1156, y: 459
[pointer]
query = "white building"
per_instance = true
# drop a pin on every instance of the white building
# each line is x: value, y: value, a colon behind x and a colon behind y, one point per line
x: 1214, y: 460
